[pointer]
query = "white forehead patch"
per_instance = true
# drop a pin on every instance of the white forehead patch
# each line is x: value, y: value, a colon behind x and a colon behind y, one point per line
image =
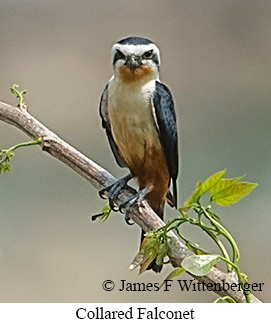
x: 138, y: 50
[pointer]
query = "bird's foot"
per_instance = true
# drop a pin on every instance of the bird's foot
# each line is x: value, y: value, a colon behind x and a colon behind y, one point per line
x: 114, y: 189
x: 126, y: 206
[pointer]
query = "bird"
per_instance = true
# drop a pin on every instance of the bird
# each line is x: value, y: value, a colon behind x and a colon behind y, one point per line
x: 138, y: 115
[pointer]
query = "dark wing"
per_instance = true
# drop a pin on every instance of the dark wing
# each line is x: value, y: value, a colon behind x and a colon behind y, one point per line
x: 166, y: 120
x: 106, y: 125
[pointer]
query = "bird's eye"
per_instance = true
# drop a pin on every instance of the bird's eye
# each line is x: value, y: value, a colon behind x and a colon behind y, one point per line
x: 148, y: 54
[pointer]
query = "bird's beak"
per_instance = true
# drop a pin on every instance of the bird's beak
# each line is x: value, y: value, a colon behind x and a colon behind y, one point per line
x: 133, y: 62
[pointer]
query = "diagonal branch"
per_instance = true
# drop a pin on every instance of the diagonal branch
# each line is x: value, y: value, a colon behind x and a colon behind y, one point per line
x: 99, y: 178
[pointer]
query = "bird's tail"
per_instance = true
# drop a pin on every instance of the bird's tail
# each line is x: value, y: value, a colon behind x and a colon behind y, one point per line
x: 159, y: 210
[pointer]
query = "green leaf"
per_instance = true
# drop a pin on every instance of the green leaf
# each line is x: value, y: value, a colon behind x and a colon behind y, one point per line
x: 9, y: 154
x: 195, y: 248
x: 161, y: 253
x: 149, y: 256
x: 176, y: 272
x: 7, y: 168
x: 211, y: 181
x: 233, y: 193
x: 137, y: 260
x: 222, y: 184
x: 200, y: 265
x: 193, y: 197
x: 225, y: 299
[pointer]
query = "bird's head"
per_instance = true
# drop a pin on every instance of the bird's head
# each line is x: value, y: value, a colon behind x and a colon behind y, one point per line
x: 136, y: 59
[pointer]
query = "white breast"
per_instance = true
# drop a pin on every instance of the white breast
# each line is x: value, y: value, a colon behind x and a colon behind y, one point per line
x: 131, y: 116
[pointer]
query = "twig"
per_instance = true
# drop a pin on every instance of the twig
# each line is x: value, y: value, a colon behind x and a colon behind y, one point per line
x: 99, y: 178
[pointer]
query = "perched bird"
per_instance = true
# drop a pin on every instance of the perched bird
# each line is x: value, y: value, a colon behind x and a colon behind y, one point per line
x: 138, y: 116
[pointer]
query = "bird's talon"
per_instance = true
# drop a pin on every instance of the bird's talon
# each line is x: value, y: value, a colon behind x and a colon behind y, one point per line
x: 122, y: 208
x: 102, y: 194
x: 113, y: 190
x: 128, y: 219
x: 113, y: 205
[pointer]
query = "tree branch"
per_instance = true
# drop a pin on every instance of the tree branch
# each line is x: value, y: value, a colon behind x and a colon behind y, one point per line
x: 99, y: 178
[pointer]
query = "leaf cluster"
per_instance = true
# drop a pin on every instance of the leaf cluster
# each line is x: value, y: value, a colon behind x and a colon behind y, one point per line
x: 7, y: 154
x: 5, y: 164
x: 19, y: 94
x: 222, y: 191
x: 154, y: 247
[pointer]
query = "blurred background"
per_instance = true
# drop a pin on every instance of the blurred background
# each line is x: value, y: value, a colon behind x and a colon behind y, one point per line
x: 216, y: 59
